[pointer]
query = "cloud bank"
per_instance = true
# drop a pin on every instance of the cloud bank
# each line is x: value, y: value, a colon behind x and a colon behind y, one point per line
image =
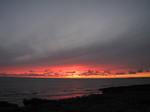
x: 68, y: 32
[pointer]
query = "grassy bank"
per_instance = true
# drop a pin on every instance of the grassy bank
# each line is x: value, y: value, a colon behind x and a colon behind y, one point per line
x: 115, y: 99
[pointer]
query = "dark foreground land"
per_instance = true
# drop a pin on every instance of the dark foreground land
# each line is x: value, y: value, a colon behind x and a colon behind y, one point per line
x: 115, y: 99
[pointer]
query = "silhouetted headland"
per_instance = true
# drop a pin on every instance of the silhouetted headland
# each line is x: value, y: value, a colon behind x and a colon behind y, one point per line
x: 134, y: 98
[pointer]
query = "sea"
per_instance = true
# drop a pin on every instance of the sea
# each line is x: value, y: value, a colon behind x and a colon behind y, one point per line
x: 15, y: 90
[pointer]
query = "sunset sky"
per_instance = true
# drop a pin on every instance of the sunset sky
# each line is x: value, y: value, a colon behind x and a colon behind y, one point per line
x: 73, y: 38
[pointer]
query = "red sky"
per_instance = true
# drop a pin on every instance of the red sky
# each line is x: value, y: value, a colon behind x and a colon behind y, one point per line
x: 77, y: 35
x: 72, y: 71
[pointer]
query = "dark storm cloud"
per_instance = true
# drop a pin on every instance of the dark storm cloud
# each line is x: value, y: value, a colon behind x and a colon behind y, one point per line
x: 74, y: 31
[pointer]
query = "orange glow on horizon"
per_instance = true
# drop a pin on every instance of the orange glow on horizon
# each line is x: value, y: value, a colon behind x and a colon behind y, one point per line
x: 138, y: 75
x: 74, y: 71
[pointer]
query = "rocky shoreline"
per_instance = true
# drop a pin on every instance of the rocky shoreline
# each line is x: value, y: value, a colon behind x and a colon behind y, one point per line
x: 134, y: 98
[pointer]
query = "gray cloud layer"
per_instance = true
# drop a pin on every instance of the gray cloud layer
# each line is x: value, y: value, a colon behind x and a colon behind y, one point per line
x: 74, y: 31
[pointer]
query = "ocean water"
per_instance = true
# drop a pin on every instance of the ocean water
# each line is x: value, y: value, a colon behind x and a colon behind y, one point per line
x: 14, y: 90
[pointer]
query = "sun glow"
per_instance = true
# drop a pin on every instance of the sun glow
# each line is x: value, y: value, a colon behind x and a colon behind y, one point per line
x: 76, y: 71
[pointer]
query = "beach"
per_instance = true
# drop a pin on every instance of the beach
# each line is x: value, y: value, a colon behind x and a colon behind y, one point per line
x: 133, y: 98
x: 15, y: 90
